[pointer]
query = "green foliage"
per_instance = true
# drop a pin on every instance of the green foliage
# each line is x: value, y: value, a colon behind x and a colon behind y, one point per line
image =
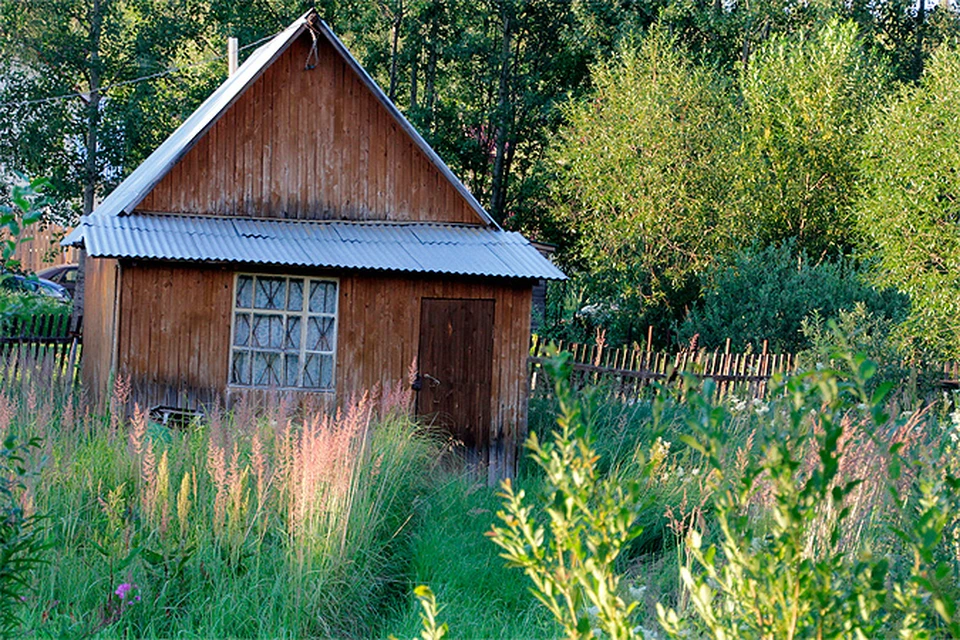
x: 861, y: 331
x: 21, y: 535
x: 27, y: 205
x: 796, y: 569
x: 431, y: 630
x: 910, y: 210
x: 806, y: 99
x: 768, y: 293
x: 643, y: 178
x: 571, y: 560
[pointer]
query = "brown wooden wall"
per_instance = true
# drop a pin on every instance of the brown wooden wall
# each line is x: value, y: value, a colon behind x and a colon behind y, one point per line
x: 379, y: 324
x: 310, y: 144
x: 174, y: 333
x: 174, y: 338
x: 98, y: 327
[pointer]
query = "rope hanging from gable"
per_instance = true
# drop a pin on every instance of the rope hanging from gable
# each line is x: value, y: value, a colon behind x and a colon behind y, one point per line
x: 313, y: 56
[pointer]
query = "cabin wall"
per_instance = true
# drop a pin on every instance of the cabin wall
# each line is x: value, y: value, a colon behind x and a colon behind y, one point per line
x: 99, y: 315
x: 174, y: 339
x: 309, y: 144
x: 379, y: 333
x: 174, y: 333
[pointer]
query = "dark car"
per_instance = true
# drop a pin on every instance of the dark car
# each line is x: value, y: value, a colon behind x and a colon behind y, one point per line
x: 35, y: 285
x: 64, y: 275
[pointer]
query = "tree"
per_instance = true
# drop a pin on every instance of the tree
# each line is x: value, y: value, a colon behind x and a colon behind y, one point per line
x: 910, y: 211
x: 72, y: 105
x: 805, y: 105
x: 643, y: 174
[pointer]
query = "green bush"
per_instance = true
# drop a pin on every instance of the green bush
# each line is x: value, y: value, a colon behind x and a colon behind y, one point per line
x: 766, y: 293
x: 831, y: 520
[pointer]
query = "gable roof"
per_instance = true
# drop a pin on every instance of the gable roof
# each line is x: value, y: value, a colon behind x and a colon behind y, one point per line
x: 144, y: 178
x: 380, y: 246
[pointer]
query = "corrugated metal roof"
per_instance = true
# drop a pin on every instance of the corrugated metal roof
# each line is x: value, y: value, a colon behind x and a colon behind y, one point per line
x: 410, y: 247
x: 138, y: 184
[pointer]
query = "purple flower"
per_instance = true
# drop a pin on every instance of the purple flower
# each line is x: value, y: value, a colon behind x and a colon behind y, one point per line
x: 124, y: 589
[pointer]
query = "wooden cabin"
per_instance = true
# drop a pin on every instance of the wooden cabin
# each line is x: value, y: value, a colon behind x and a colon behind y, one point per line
x: 296, y: 233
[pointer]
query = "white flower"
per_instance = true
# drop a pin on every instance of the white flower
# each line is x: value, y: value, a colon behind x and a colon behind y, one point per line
x: 637, y: 592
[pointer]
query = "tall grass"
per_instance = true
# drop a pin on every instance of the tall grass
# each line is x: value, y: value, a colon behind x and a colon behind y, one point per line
x: 267, y: 521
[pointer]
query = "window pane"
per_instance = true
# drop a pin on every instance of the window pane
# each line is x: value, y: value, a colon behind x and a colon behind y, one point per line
x: 318, y: 371
x: 319, y: 334
x: 291, y: 340
x: 311, y: 371
x: 270, y: 293
x: 240, y: 372
x: 267, y: 331
x: 241, y: 330
x: 291, y: 370
x: 295, y: 299
x: 326, y: 371
x: 266, y: 369
x: 323, y: 297
x: 244, y: 292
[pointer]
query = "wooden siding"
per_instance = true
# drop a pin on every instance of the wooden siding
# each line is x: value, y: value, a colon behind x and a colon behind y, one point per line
x: 174, y: 333
x: 174, y: 339
x: 43, y: 249
x: 98, y: 328
x: 309, y: 144
x: 379, y: 328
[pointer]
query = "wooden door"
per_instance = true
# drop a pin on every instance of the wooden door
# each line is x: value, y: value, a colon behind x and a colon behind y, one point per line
x: 456, y: 367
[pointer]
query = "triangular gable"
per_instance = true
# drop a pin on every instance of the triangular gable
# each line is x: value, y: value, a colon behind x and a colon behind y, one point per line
x: 281, y: 139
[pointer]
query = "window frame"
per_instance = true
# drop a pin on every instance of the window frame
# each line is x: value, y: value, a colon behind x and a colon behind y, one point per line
x: 304, y: 314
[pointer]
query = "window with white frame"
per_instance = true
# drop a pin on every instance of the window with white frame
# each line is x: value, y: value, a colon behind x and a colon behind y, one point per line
x: 284, y: 332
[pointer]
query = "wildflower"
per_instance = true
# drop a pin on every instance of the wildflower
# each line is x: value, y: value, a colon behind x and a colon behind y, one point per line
x: 124, y: 590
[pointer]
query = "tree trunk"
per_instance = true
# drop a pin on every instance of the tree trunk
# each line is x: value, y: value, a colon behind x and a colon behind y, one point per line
x: 503, y: 124
x: 921, y: 19
x: 429, y: 80
x: 394, y: 50
x: 90, y: 175
x: 414, y: 72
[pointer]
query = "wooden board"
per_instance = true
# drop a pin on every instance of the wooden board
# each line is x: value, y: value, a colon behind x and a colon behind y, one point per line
x: 456, y: 367
x: 309, y: 144
x: 99, y: 307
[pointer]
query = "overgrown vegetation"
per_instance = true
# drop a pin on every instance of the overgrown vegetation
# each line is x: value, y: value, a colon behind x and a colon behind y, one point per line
x: 267, y: 521
x: 832, y: 519
x: 275, y: 521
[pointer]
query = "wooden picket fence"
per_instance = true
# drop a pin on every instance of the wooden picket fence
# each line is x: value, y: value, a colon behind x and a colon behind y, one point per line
x: 626, y: 371
x: 39, y: 345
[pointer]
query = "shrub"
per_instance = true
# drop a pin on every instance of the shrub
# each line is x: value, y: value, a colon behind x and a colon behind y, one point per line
x: 766, y: 293
x: 571, y: 559
x: 811, y: 521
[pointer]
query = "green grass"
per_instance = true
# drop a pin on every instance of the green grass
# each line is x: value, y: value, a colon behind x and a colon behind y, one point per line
x: 479, y: 596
